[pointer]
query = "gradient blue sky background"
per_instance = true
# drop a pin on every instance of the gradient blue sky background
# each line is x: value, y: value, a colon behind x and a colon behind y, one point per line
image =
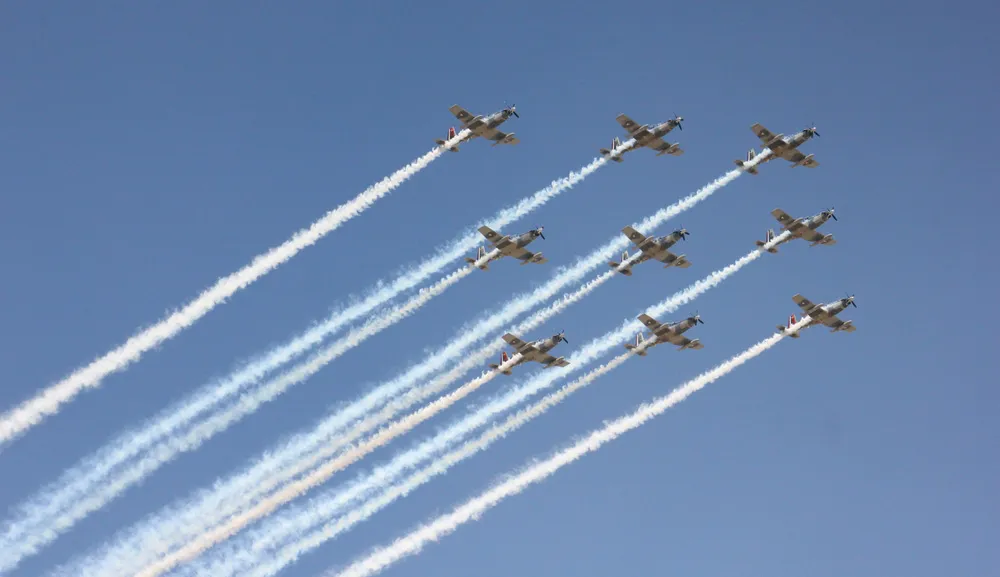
x: 148, y: 149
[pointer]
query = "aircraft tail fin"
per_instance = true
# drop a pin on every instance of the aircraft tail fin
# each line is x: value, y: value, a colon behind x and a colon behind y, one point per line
x: 627, y: 271
x: 504, y: 358
x: 451, y: 135
x: 751, y: 154
x: 768, y: 237
x: 615, y: 144
x: 784, y: 329
x: 480, y: 253
x: 636, y: 347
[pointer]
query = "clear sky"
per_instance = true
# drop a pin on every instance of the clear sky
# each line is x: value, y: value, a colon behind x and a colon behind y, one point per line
x: 148, y: 149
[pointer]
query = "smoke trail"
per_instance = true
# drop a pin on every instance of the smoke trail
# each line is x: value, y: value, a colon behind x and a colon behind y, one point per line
x: 301, y: 454
x: 300, y: 486
x: 327, y: 505
x: 85, y: 477
x: 12, y: 553
x: 472, y: 509
x: 255, y: 554
x: 334, y: 425
x: 31, y: 412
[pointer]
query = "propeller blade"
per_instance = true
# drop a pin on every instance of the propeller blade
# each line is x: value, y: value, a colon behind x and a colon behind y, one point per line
x: 541, y: 235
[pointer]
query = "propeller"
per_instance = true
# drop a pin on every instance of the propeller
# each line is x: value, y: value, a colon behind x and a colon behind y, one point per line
x: 850, y: 300
x: 697, y: 318
x: 812, y: 130
x: 683, y: 233
x: 538, y: 231
x: 512, y: 109
x: 677, y: 121
x: 830, y: 212
x: 562, y: 336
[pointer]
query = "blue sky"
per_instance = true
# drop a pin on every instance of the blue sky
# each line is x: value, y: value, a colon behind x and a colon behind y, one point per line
x: 150, y: 149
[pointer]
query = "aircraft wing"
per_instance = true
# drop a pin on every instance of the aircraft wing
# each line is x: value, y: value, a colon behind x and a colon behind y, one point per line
x: 500, y: 137
x: 834, y: 323
x: 498, y: 240
x: 762, y: 133
x: 805, y: 304
x: 670, y: 259
x: 629, y: 125
x: 793, y: 155
x: 661, y: 146
x: 681, y: 341
x: 651, y: 323
x: 520, y: 346
x: 633, y: 235
x: 471, y: 122
x: 812, y: 235
x: 526, y: 256
x: 783, y: 217
x: 547, y: 359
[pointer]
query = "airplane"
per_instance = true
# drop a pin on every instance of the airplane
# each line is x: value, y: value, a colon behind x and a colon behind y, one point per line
x: 804, y: 228
x: 821, y: 314
x: 536, y: 351
x: 484, y: 126
x: 653, y: 248
x: 507, y: 246
x: 666, y: 333
x: 644, y: 136
x: 781, y: 146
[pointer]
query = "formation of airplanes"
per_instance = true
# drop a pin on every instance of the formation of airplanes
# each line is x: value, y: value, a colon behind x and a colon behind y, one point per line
x: 654, y: 248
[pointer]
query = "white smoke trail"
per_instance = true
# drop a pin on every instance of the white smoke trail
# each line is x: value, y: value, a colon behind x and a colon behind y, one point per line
x: 321, y: 474
x: 168, y: 530
x: 472, y: 509
x: 12, y: 553
x: 30, y: 413
x: 140, y: 544
x: 257, y: 554
x: 88, y: 475
x: 296, y: 521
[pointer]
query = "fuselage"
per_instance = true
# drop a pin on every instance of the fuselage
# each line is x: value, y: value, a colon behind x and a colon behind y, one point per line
x: 781, y: 143
x: 543, y: 345
x: 492, y: 121
x: 673, y: 328
x: 811, y: 223
x: 828, y: 310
